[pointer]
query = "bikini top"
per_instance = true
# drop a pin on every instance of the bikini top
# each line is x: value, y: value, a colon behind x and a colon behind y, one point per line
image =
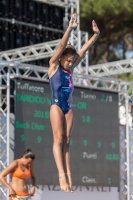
x: 18, y: 173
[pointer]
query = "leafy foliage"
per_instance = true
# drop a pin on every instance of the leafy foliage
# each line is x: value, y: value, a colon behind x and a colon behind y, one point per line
x: 115, y: 21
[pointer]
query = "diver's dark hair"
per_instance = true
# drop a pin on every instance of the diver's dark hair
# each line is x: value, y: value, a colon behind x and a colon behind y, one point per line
x: 69, y: 50
x: 29, y: 154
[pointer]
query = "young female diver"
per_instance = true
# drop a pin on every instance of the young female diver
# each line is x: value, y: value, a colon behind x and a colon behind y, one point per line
x: 61, y: 66
x: 19, y: 171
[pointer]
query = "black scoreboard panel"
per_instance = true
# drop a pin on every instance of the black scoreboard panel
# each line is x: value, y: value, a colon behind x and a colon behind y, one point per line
x: 94, y: 144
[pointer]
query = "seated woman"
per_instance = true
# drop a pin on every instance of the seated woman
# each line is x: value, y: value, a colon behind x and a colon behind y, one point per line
x: 20, y: 170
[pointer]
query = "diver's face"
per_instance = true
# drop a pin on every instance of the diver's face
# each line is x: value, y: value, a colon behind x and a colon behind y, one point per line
x: 68, y: 61
x: 27, y: 161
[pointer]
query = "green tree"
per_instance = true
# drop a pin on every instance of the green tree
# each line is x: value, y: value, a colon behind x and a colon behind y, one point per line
x: 115, y: 21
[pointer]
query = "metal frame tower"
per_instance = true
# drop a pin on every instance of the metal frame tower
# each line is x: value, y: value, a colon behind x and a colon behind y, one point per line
x: 11, y: 70
x: 96, y: 79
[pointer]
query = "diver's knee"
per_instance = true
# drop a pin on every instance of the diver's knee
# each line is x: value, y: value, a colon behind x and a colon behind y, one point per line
x: 58, y: 139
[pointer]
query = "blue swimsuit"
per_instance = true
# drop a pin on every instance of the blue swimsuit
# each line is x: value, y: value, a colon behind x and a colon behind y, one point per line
x: 62, y: 88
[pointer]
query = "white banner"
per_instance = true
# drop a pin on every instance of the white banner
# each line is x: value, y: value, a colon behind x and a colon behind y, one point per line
x: 80, y: 193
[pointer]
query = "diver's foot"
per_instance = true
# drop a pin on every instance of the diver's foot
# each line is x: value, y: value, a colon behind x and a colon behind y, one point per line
x: 69, y: 179
x: 63, y: 183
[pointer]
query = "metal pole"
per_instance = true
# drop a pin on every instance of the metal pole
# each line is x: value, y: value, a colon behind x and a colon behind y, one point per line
x: 0, y: 132
x: 79, y: 47
x: 78, y: 13
x: 127, y: 147
x: 8, y: 124
x: 87, y: 55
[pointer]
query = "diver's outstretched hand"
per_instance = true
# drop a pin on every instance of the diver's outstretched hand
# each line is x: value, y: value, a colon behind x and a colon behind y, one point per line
x: 95, y: 27
x: 73, y: 21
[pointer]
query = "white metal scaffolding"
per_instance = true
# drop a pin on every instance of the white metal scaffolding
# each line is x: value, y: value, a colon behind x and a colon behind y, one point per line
x: 10, y: 70
x: 89, y: 76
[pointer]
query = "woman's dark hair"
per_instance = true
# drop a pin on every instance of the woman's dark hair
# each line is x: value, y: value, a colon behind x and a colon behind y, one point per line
x: 29, y: 154
x: 69, y: 50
